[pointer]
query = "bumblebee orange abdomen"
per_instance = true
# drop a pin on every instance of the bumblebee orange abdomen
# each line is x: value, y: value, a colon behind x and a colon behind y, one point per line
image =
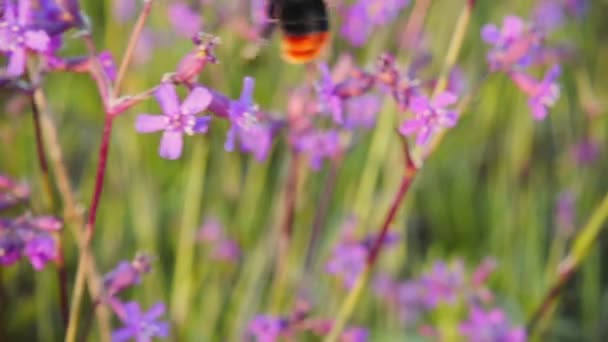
x: 305, y: 28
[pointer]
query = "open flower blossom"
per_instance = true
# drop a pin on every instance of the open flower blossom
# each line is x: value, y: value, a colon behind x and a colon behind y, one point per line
x: 16, y: 36
x: 177, y: 119
x: 247, y: 127
x: 138, y: 325
x: 490, y: 326
x: 430, y: 116
x: 541, y: 94
x: 513, y: 44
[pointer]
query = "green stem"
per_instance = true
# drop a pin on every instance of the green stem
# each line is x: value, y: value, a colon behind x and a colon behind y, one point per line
x: 581, y: 247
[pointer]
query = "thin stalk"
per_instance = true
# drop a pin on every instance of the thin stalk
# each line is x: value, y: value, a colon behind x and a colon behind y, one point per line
x: 286, y: 230
x: 128, y: 55
x: 48, y: 187
x: 89, y: 230
x: 354, y: 294
x: 73, y: 213
x: 580, y: 249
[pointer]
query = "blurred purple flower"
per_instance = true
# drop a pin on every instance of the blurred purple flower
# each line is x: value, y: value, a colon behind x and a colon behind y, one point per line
x: 254, y: 136
x: 586, y: 151
x: 211, y: 231
x: 227, y: 250
x: 512, y: 45
x: 319, y: 146
x: 492, y: 326
x: 361, y: 112
x: 329, y: 101
x: 16, y: 37
x: 383, y: 12
x: 191, y: 65
x: 126, y: 274
x: 548, y: 15
x: 184, y: 19
x: 222, y: 247
x: 109, y: 66
x: 141, y: 326
x: 354, y: 334
x: 177, y: 119
x: 443, y: 283
x: 346, y: 262
x: 411, y: 300
x: 12, y: 192
x: 356, y: 27
x: 429, y: 117
x: 565, y: 213
x: 40, y: 250
x: 541, y: 94
x: 266, y: 328
x: 11, y: 247
x: 124, y: 10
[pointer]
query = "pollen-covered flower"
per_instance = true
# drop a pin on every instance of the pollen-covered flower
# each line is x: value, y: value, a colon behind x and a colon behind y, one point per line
x: 138, y: 325
x: 490, y: 326
x: 430, y: 116
x: 247, y: 127
x: 16, y: 37
x: 177, y: 119
x: 541, y: 94
x: 513, y: 44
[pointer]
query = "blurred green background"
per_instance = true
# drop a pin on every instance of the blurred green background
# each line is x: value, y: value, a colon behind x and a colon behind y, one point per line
x: 489, y: 190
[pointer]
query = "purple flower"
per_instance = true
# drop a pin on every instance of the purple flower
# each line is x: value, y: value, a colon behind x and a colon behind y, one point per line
x: 586, y: 151
x: 16, y: 38
x: 126, y: 274
x: 266, y: 328
x: 329, y: 100
x: 346, y: 262
x: 429, y: 117
x: 548, y: 15
x: 492, y: 326
x: 382, y: 12
x: 211, y: 231
x: 177, y: 119
x: 141, y: 326
x: 185, y: 21
x: 361, y: 112
x: 246, y: 126
x: 443, y: 284
x: 11, y: 247
x: 356, y: 27
x: 40, y: 250
x: 513, y: 44
x: 541, y: 94
x: 565, y: 213
x: 319, y: 146
x: 109, y: 66
x: 191, y: 65
x: 354, y: 334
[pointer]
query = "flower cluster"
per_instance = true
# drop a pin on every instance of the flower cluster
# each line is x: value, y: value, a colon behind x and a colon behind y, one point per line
x: 449, y: 285
x: 271, y: 328
x: 515, y: 47
x: 364, y: 16
x: 222, y: 248
x: 138, y: 325
x: 31, y: 236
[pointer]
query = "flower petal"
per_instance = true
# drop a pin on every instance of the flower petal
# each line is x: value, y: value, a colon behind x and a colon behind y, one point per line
x: 197, y: 101
x: 490, y: 34
x: 167, y: 99
x: 171, y: 145
x: 539, y: 112
x: 155, y: 311
x: 121, y: 335
x: 513, y: 26
x: 37, y: 40
x: 16, y: 63
x: 449, y: 119
x: 24, y: 12
x: 410, y: 126
x: 444, y: 99
x: 202, y: 124
x: 147, y: 123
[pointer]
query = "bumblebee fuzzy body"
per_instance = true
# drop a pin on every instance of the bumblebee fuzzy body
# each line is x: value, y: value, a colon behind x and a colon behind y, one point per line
x: 304, y: 25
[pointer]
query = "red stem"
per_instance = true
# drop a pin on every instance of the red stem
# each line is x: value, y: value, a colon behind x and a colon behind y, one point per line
x: 101, y: 172
x: 408, y: 177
